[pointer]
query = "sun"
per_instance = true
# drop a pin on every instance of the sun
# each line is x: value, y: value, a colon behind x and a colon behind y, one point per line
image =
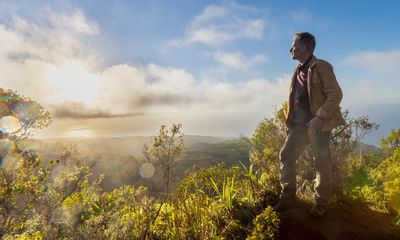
x: 73, y: 82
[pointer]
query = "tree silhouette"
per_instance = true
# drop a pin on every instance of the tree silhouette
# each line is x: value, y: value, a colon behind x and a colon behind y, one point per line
x: 30, y: 114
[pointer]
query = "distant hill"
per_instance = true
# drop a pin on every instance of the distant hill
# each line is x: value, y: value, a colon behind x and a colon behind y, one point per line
x: 367, y: 149
x: 120, y: 158
x: 116, y: 145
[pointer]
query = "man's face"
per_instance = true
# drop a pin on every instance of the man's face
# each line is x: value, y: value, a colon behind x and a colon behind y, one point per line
x: 297, y: 50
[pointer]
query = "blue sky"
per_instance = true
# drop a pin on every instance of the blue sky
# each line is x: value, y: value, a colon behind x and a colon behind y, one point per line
x: 219, y: 67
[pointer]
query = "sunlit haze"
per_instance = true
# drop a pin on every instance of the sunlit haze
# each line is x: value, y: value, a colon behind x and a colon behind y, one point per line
x: 72, y: 82
x: 80, y: 133
x: 123, y: 68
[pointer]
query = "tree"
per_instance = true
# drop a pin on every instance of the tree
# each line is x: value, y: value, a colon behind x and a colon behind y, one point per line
x: 383, y: 191
x: 30, y: 114
x: 266, y: 143
x: 391, y: 143
x: 344, y: 142
x: 361, y: 127
x: 42, y: 199
x: 164, y: 148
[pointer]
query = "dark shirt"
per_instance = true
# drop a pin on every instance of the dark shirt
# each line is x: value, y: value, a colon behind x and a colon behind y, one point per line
x: 301, y: 112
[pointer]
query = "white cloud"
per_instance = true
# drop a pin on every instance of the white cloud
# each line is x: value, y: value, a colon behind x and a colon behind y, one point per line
x: 43, y: 60
x: 51, y: 39
x: 373, y: 77
x: 147, y: 96
x: 156, y: 88
x: 379, y: 61
x: 219, y: 24
x: 76, y: 22
x: 237, y: 60
x: 149, y: 88
x: 212, y: 12
x: 33, y: 47
x: 209, y: 36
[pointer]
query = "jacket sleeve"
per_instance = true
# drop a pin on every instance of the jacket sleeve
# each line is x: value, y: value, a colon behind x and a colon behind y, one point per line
x: 331, y: 90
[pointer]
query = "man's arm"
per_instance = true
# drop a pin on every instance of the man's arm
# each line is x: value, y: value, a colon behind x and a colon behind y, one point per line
x: 331, y: 90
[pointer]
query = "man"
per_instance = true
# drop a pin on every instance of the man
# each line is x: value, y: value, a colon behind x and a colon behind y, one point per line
x: 313, y: 111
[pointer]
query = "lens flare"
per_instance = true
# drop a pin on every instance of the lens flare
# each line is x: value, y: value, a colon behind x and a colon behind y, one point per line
x: 6, y: 145
x: 147, y: 170
x: 9, y: 124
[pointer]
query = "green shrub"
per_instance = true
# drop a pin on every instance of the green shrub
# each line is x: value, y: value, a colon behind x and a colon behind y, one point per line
x: 266, y: 225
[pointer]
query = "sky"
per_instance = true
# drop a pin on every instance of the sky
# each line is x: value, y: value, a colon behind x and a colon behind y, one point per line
x: 123, y: 68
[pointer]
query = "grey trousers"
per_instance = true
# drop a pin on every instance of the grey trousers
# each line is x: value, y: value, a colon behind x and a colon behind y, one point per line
x: 296, y: 142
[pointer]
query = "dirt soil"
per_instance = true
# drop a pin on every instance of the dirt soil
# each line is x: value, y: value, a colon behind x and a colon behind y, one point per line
x: 353, y: 221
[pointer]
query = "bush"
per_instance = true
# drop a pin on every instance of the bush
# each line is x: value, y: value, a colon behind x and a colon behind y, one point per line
x: 266, y: 225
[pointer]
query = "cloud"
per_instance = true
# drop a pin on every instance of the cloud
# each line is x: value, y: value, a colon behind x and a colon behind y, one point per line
x: 379, y: 61
x: 237, y: 60
x: 145, y: 88
x: 137, y: 99
x: 154, y: 99
x: 35, y: 45
x: 48, y: 39
x: 372, y: 77
x: 220, y: 24
x: 50, y: 59
x: 157, y: 88
x: 77, y: 22
x: 212, y: 12
x: 78, y: 110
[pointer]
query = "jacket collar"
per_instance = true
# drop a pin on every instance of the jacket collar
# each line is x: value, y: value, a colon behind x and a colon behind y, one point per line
x: 313, y: 61
x: 311, y: 64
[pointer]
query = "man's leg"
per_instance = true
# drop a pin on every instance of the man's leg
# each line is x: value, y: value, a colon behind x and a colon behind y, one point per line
x: 295, y: 143
x: 323, y: 167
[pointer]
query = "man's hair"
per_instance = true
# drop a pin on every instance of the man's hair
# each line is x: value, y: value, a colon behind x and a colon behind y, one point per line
x: 307, y: 39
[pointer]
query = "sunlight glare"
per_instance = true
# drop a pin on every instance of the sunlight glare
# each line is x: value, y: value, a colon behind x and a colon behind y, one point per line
x: 9, y: 124
x: 73, y: 82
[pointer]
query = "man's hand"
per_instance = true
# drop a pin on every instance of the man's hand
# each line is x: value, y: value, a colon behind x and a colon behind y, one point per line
x: 314, y: 126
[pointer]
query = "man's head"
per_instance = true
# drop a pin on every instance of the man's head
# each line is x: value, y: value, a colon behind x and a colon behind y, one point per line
x: 303, y: 46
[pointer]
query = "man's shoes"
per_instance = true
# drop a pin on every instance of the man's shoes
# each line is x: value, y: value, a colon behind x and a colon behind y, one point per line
x: 284, y: 203
x: 318, y: 210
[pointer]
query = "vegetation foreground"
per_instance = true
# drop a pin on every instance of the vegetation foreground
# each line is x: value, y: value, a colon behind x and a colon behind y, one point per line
x: 60, y: 199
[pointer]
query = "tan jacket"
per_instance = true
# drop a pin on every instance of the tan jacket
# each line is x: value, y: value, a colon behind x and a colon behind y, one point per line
x: 324, y: 94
